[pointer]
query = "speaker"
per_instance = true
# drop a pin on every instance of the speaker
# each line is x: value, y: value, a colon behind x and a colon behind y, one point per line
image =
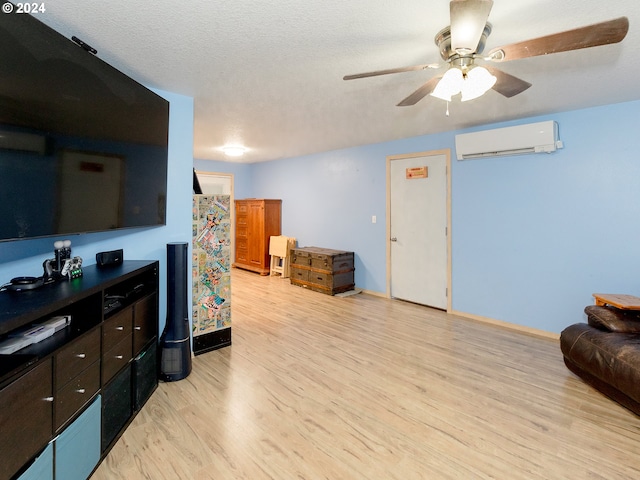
x: 114, y: 257
x: 175, y: 342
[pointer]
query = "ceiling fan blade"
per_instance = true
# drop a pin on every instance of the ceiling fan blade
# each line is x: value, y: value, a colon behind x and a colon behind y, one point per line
x: 391, y: 70
x: 506, y: 84
x: 468, y: 19
x: 420, y: 93
x: 604, y: 33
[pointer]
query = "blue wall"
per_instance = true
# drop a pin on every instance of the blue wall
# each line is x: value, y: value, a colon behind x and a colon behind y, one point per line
x: 25, y: 257
x: 533, y: 236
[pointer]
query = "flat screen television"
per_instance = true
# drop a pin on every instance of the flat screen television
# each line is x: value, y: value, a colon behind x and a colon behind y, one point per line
x: 83, y: 147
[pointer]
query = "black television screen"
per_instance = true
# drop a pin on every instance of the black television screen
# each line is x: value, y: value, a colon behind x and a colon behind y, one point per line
x: 83, y: 147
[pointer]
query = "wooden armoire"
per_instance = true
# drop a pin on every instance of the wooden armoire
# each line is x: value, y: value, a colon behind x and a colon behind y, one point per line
x: 256, y: 221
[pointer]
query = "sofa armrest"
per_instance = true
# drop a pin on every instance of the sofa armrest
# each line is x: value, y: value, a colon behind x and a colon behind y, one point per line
x: 612, y: 319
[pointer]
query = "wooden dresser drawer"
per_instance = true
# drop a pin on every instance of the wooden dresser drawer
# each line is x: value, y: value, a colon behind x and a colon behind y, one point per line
x: 75, y: 357
x: 115, y: 358
x: 75, y: 394
x: 299, y: 274
x: 300, y: 257
x: 321, y: 278
x: 116, y: 328
x: 144, y: 322
x: 25, y: 418
x: 241, y: 208
x: 242, y: 255
x: 323, y: 258
x: 241, y: 232
x: 337, y: 262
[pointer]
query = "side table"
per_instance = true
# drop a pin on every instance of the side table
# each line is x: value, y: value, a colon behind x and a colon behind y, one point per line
x: 624, y: 302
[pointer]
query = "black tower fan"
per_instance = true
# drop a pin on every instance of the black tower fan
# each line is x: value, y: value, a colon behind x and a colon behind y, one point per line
x: 175, y: 342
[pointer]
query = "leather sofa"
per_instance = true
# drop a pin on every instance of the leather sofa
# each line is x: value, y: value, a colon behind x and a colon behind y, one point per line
x: 605, y: 353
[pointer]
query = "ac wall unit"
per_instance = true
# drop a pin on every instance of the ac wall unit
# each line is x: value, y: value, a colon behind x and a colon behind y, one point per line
x: 25, y: 142
x: 539, y: 137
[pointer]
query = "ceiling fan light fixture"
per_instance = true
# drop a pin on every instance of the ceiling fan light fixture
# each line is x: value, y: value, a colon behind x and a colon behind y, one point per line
x: 449, y: 85
x: 477, y: 82
x: 472, y: 84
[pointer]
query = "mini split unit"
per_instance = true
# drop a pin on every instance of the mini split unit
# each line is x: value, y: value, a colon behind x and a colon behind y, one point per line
x: 539, y: 137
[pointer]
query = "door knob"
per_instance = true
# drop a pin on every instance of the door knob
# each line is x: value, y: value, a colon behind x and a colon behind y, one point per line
x: 393, y: 239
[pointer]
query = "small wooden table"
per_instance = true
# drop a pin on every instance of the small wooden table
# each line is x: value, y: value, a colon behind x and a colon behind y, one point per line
x: 624, y: 302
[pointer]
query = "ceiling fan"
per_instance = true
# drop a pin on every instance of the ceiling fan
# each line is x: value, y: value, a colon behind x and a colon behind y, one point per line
x: 461, y: 44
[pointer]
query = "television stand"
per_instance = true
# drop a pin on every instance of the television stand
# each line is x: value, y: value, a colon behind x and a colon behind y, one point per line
x: 76, y: 391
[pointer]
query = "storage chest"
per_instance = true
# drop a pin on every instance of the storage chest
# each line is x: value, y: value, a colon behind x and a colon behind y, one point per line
x: 322, y: 269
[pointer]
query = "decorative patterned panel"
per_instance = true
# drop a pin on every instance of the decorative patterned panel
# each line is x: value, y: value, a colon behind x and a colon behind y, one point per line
x: 211, y: 263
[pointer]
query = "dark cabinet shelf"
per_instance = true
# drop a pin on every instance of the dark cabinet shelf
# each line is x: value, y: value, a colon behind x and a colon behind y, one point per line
x: 46, y: 387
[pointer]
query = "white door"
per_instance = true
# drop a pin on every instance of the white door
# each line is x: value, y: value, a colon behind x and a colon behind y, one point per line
x: 215, y: 183
x: 418, y: 229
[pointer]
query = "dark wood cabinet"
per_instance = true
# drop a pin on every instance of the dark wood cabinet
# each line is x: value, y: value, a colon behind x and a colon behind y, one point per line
x: 257, y: 220
x: 47, y: 387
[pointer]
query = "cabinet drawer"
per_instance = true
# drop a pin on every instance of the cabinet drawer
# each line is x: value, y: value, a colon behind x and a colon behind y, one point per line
x: 242, y: 255
x: 321, y: 278
x: 26, y: 412
x: 116, y: 328
x: 333, y: 263
x: 145, y: 320
x: 77, y: 356
x: 78, y: 447
x: 299, y: 257
x: 75, y: 394
x: 42, y: 467
x: 241, y: 208
x: 323, y: 258
x: 299, y: 274
x: 116, y: 406
x: 116, y: 358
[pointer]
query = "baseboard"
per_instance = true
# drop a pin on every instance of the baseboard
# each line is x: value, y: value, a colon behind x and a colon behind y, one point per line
x: 371, y: 292
x: 534, y: 332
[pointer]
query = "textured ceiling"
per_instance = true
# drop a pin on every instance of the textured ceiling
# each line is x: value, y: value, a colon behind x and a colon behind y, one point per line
x: 268, y: 74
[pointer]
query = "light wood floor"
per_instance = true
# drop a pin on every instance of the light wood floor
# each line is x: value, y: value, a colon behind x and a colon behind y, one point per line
x: 319, y: 387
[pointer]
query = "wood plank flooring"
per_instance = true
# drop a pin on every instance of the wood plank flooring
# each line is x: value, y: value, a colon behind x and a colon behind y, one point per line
x: 362, y: 387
